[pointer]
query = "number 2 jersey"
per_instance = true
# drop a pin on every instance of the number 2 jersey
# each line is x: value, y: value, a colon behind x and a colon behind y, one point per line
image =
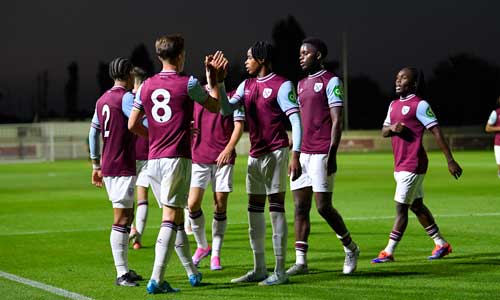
x: 118, y: 150
x: 167, y: 100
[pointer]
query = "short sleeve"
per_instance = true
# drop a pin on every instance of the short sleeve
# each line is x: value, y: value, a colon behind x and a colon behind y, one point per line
x: 425, y: 114
x: 492, y: 120
x: 137, y: 100
x: 335, y: 92
x: 387, y: 121
x: 287, y: 98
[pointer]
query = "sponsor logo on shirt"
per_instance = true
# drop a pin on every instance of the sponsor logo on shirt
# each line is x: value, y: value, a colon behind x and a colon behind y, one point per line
x: 338, y: 91
x: 318, y: 86
x: 405, y: 109
x: 292, y: 97
x: 267, y: 92
x: 430, y: 113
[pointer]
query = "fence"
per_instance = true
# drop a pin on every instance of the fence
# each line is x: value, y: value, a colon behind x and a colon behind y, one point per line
x: 69, y: 140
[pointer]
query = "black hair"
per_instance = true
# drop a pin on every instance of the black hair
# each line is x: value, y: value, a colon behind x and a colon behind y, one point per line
x: 263, y: 51
x: 318, y: 44
x: 119, y: 68
x: 139, y: 73
x: 419, y: 80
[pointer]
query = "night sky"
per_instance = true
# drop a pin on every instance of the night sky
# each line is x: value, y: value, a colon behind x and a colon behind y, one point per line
x: 383, y: 36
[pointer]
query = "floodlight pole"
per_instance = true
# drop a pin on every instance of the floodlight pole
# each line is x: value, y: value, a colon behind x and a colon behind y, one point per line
x: 346, y: 79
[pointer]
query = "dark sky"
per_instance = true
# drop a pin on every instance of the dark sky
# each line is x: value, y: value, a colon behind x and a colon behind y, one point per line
x: 383, y: 36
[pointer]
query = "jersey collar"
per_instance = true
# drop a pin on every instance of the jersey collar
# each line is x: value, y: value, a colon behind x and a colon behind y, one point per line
x: 266, y: 78
x: 410, y: 96
x: 317, y: 74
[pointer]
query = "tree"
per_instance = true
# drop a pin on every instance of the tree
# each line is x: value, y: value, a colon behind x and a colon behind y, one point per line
x: 140, y: 58
x: 288, y: 36
x: 71, y: 91
x: 463, y: 89
x: 103, y: 80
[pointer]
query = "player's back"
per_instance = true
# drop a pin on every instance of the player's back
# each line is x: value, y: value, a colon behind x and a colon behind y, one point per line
x: 265, y: 119
x: 118, y: 156
x: 169, y: 111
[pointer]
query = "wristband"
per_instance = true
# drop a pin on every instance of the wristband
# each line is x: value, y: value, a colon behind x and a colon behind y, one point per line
x: 96, y: 166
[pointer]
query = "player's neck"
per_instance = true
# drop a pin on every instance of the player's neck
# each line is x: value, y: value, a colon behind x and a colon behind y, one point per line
x: 264, y: 71
x: 169, y: 67
x: 121, y: 83
x: 315, y: 69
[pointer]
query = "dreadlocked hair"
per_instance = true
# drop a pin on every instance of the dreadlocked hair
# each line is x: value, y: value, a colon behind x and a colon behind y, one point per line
x: 318, y: 44
x: 119, y: 68
x: 419, y: 80
x: 263, y: 51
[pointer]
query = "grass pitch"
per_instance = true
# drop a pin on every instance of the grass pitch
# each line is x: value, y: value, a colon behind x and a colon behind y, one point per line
x: 54, y: 229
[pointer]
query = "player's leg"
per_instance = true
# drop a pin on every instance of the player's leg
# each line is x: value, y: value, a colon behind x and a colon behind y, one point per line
x: 275, y: 167
x: 141, y: 215
x: 222, y: 185
x: 302, y: 202
x: 407, y: 185
x: 184, y: 252
x: 219, y: 225
x: 256, y: 221
x: 200, y: 177
x: 497, y: 158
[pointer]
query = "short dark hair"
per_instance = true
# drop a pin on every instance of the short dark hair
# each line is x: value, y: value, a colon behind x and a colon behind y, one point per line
x: 119, y: 68
x: 169, y: 46
x: 262, y: 50
x: 318, y: 44
x: 139, y: 73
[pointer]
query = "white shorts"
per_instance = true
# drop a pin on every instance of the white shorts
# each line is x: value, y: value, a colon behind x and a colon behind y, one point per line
x: 497, y: 154
x: 314, y: 174
x: 120, y: 190
x: 408, y: 187
x: 221, y: 178
x: 141, y: 167
x: 268, y: 173
x: 169, y: 179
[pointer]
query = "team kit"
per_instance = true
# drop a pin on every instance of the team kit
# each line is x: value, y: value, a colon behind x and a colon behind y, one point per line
x: 176, y: 136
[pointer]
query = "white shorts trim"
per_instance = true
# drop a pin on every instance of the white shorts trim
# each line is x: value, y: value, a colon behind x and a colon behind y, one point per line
x: 169, y: 179
x: 120, y: 190
x: 220, y: 178
x: 314, y: 174
x: 408, y: 187
x: 497, y: 154
x: 268, y: 173
x: 141, y: 167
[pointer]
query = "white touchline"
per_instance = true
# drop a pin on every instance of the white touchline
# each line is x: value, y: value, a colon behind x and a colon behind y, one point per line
x: 35, y: 232
x: 45, y: 287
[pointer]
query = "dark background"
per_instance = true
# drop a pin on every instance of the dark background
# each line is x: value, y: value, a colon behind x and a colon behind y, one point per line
x: 53, y: 54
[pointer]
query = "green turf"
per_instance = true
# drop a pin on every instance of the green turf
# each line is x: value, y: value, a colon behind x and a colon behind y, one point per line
x: 54, y: 228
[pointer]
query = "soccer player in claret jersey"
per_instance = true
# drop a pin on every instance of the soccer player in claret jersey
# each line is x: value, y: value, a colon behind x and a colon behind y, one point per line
x: 141, y: 156
x: 267, y: 100
x: 117, y: 171
x: 493, y: 125
x: 405, y: 123
x: 320, y: 100
x: 213, y: 157
x: 167, y: 101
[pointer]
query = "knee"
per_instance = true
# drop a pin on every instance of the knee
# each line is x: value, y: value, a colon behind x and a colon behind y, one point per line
x: 325, y: 209
x: 417, y: 206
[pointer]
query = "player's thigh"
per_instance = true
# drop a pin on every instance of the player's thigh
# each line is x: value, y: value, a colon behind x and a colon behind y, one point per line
x: 175, y: 181
x: 201, y: 174
x: 408, y: 186
x: 222, y: 181
x: 497, y: 154
x: 275, y: 168
x: 141, y: 167
x: 255, y: 180
x: 155, y: 177
x: 120, y: 190
x: 318, y: 171
x: 304, y: 179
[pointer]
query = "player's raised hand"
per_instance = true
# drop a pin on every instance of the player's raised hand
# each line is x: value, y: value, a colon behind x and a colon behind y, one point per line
x: 455, y: 169
x: 97, y: 178
x: 397, y: 127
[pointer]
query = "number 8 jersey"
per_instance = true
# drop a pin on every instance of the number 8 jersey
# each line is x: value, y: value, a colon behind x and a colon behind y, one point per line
x: 118, y: 149
x: 167, y: 100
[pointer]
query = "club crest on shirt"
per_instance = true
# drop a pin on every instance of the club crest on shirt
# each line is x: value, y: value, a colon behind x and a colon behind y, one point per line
x: 405, y: 109
x: 267, y: 92
x: 318, y: 86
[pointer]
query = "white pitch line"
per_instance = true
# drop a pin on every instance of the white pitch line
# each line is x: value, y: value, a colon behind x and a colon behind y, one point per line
x: 493, y: 214
x: 45, y: 287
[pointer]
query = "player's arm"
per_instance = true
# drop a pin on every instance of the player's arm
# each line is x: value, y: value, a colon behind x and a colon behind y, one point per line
x: 95, y: 151
x: 287, y: 100
x: 136, y: 115
x: 128, y: 106
x: 389, y: 129
x: 427, y: 117
x: 335, y: 95
x: 490, y: 125
x: 226, y: 154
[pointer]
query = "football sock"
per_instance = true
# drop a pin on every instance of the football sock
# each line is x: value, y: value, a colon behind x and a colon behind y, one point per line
x: 219, y: 224
x: 257, y: 234
x: 280, y: 235
x: 433, y: 232
x: 119, y: 247
x: 141, y: 216
x: 347, y: 242
x: 394, y: 238
x: 301, y: 252
x: 197, y: 220
x: 163, y: 249
x: 183, y: 251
